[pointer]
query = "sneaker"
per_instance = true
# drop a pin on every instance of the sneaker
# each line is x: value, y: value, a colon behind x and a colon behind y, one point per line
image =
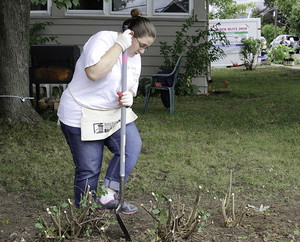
x: 113, y: 204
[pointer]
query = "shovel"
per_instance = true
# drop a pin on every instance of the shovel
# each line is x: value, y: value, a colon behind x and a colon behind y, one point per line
x: 123, y: 143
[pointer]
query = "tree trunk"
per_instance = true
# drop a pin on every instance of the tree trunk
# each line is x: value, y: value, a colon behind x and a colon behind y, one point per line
x: 14, y: 62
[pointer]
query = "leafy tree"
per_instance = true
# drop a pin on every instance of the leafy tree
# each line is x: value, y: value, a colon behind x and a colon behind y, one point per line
x: 59, y: 3
x: 229, y: 8
x: 290, y: 8
x: 294, y: 19
x: 268, y: 16
x: 268, y: 32
x: 285, y: 6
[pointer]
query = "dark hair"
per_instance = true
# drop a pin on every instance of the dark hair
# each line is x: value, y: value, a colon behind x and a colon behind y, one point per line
x: 140, y: 25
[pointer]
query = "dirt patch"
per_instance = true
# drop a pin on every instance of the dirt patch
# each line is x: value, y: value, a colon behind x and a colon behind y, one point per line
x: 19, y: 213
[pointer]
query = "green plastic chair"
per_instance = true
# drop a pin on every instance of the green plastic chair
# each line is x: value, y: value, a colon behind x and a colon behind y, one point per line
x: 170, y: 89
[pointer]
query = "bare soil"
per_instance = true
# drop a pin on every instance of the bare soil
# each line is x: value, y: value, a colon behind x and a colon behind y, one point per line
x: 19, y: 214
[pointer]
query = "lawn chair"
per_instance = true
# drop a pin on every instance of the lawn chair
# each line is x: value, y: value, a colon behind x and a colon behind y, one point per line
x: 170, y: 89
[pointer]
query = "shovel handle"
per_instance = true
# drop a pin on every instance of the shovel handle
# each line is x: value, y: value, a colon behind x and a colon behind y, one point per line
x: 123, y: 131
x: 122, y: 148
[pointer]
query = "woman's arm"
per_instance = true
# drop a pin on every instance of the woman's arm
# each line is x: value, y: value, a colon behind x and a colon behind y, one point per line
x: 107, y: 61
x: 104, y: 66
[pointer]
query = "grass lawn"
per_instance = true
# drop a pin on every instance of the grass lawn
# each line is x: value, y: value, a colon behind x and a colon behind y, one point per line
x: 251, y: 127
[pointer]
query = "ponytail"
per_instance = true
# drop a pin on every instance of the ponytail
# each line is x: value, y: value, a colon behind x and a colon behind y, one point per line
x: 140, y: 25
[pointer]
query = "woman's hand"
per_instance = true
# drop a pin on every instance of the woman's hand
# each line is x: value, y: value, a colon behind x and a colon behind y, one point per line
x: 125, y: 39
x: 125, y: 98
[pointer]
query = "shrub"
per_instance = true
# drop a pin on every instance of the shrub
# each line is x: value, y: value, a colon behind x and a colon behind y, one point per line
x: 35, y: 36
x: 200, y: 49
x: 278, y: 53
x: 249, y: 51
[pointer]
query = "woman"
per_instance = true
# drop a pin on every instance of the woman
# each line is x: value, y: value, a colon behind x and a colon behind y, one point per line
x: 283, y: 41
x: 96, y: 85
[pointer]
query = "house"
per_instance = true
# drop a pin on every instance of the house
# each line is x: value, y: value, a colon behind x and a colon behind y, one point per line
x: 75, y: 25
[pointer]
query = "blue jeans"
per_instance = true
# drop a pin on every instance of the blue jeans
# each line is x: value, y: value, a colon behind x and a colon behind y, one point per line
x: 88, y: 155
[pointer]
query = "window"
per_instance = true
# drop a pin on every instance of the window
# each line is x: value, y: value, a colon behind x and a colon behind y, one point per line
x: 122, y: 7
x: 125, y: 6
x: 87, y: 7
x: 172, y: 6
x: 153, y: 7
x: 41, y: 9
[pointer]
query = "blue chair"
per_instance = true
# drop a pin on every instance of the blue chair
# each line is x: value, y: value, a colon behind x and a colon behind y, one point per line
x: 155, y: 78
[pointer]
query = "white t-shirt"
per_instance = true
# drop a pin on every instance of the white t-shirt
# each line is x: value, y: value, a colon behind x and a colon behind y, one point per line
x: 101, y: 94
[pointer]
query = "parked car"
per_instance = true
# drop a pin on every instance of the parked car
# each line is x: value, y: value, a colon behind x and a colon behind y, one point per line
x: 296, y: 46
x: 292, y: 40
x: 264, y: 43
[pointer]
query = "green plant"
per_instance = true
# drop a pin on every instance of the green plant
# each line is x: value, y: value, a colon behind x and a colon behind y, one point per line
x: 250, y: 228
x: 10, y: 122
x: 5, y: 221
x: 204, y: 215
x: 249, y: 51
x: 296, y: 230
x: 200, y: 49
x: 278, y: 53
x: 35, y: 34
x: 43, y: 227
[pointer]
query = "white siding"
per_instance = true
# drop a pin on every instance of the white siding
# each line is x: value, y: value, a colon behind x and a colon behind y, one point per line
x: 75, y: 30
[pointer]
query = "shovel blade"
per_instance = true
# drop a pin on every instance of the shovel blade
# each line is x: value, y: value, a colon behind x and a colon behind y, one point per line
x: 123, y: 227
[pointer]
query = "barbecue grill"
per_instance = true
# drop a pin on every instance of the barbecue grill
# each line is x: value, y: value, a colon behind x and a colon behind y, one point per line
x: 52, y: 64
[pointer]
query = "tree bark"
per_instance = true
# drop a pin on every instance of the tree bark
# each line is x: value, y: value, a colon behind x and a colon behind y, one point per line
x: 14, y: 62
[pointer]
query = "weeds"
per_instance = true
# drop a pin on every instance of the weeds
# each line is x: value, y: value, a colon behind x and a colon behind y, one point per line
x: 5, y: 221
x: 296, y: 230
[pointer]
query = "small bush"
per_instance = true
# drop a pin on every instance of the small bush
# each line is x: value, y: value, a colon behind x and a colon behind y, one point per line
x: 278, y: 53
x: 249, y: 51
